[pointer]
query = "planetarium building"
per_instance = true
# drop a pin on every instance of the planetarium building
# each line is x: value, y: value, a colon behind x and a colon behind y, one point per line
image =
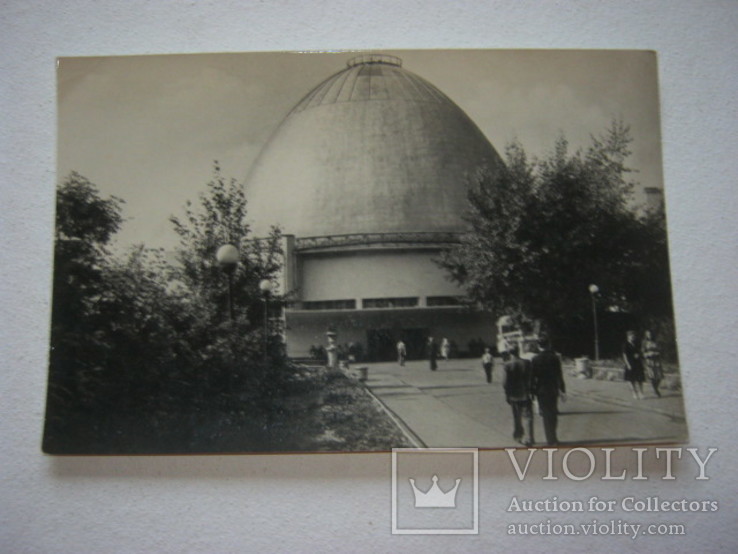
x: 366, y: 177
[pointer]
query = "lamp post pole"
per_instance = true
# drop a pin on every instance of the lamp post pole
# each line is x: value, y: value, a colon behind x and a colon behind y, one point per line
x: 593, y: 290
x: 227, y: 257
x: 265, y: 286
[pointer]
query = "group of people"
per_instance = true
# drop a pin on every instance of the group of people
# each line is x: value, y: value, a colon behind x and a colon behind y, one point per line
x: 433, y: 352
x: 642, y: 361
x: 539, y: 381
x: 536, y: 385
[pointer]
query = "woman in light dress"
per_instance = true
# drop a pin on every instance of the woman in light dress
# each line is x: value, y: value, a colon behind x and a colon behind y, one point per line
x: 652, y: 361
x: 445, y: 348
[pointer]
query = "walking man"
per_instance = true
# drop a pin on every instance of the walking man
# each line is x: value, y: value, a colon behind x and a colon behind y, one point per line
x: 634, y: 372
x: 432, y: 354
x: 401, y: 352
x: 518, y: 395
x: 548, y: 385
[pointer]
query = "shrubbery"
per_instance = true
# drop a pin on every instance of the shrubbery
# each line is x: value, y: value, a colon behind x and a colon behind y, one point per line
x: 144, y: 356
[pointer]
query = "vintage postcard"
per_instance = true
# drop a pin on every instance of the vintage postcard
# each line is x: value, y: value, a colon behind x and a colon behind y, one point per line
x: 360, y: 251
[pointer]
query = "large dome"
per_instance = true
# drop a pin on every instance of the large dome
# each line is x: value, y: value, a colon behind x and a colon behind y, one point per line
x: 372, y: 149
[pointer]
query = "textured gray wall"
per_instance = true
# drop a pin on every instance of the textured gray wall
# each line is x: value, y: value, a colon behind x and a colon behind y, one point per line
x: 342, y: 503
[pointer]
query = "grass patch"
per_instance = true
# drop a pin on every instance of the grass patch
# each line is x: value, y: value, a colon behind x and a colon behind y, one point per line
x: 312, y: 410
x: 343, y: 417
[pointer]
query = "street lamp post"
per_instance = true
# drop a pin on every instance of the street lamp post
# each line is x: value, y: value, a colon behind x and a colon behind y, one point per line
x: 265, y: 286
x: 593, y: 290
x: 227, y: 257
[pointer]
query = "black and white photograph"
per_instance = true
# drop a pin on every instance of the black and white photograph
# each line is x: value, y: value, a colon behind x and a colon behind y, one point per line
x: 358, y: 251
x: 368, y: 277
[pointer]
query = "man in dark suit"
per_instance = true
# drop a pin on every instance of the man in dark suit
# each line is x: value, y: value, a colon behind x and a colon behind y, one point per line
x: 432, y: 353
x: 548, y: 385
x: 518, y: 394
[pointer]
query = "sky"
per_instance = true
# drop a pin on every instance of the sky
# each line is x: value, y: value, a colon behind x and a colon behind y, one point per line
x: 148, y: 128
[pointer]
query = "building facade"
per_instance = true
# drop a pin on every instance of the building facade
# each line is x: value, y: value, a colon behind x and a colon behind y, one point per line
x: 366, y: 177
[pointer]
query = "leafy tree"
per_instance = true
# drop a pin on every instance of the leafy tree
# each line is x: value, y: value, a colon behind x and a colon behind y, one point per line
x: 233, y: 348
x: 145, y: 326
x: 221, y: 219
x: 144, y: 356
x: 541, y: 231
x: 84, y: 225
x: 117, y: 337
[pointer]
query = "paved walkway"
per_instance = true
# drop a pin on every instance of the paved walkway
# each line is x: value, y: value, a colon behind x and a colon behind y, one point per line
x: 455, y: 407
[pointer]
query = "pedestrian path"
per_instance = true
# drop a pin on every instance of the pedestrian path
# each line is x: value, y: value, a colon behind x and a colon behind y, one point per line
x: 455, y: 407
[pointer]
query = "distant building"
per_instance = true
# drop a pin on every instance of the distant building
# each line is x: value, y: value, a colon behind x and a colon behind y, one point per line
x: 366, y: 177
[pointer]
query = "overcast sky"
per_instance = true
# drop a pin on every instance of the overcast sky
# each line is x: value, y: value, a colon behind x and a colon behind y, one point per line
x: 147, y: 128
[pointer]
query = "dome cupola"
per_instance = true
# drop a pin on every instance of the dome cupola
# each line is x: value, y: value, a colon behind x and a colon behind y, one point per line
x: 372, y: 149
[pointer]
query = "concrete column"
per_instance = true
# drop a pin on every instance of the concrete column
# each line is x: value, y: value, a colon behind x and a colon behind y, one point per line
x: 289, y: 267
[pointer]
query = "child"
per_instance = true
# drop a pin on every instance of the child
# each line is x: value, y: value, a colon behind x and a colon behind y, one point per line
x: 487, y: 364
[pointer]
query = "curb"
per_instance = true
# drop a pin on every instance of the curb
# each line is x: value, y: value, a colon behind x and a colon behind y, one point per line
x: 409, y: 435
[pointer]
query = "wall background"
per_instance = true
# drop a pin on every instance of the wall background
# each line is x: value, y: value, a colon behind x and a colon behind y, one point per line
x: 342, y: 502
x: 366, y: 276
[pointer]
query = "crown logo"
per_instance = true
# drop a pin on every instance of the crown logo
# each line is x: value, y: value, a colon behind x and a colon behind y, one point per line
x: 434, y: 497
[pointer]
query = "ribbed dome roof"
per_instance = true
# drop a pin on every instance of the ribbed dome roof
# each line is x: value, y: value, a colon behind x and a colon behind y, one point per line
x: 372, y: 78
x: 372, y: 149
